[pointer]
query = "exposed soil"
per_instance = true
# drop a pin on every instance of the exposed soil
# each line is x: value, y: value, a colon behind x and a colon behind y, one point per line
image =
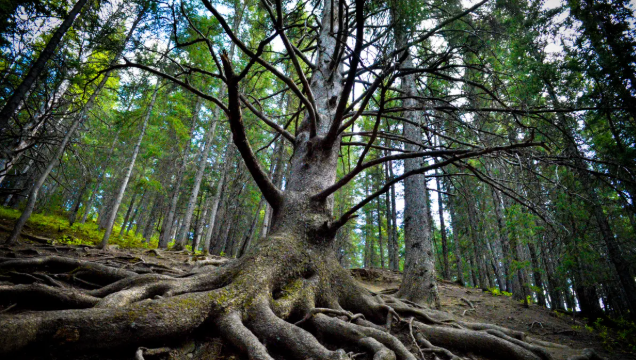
x: 536, y: 321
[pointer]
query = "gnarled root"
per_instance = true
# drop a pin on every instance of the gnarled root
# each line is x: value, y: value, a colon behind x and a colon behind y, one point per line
x: 295, y: 305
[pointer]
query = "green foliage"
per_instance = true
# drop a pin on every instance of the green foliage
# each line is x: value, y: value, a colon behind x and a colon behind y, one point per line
x: 57, y: 228
x: 496, y: 292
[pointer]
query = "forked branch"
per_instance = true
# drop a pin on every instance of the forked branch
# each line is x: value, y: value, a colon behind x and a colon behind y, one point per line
x: 470, y: 154
x: 272, y: 194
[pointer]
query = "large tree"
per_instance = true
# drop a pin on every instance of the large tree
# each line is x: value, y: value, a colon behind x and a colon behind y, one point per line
x: 289, y: 289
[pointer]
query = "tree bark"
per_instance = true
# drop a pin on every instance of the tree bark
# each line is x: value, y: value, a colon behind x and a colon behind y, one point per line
x: 22, y: 91
x: 442, y: 223
x: 456, y: 243
x: 229, y: 154
x: 128, y: 212
x: 129, y: 170
x: 182, y: 238
x: 33, y: 194
x: 419, y: 283
x: 166, y: 231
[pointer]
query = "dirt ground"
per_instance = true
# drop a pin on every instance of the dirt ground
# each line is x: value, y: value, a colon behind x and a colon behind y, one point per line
x: 536, y: 321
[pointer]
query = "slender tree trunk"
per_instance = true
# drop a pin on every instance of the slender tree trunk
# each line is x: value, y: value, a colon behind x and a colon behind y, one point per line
x: 229, y: 154
x: 442, y: 223
x: 128, y: 212
x: 133, y: 219
x: 22, y: 91
x: 458, y: 250
x: 250, y: 234
x: 91, y: 200
x: 182, y: 238
x: 33, y: 195
x: 476, y: 254
x: 505, y: 240
x: 166, y: 230
x: 21, y: 180
x: 76, y: 204
x: 129, y: 170
x: 389, y: 222
x: 419, y: 283
x: 396, y: 258
x: 536, y: 274
x: 380, y: 234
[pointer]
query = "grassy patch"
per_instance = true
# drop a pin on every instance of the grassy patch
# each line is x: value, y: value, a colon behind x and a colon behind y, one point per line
x: 56, y: 227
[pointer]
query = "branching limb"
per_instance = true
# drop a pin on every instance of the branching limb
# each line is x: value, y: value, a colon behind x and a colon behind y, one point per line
x: 272, y: 194
x: 268, y: 121
x: 349, y: 82
x: 345, y: 217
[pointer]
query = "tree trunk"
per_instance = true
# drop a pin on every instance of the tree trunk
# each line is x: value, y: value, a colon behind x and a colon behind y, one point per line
x: 389, y: 223
x: 129, y: 170
x: 442, y: 224
x: 152, y: 218
x: 380, y: 234
x: 395, y: 236
x: 419, y: 283
x: 128, y: 212
x: 140, y: 206
x: 166, y: 231
x: 91, y: 200
x: 199, y: 226
x: 76, y: 204
x: 33, y: 194
x: 22, y: 91
x: 536, y: 274
x: 182, y: 238
x: 250, y: 234
x: 458, y: 250
x: 505, y: 241
x: 229, y: 154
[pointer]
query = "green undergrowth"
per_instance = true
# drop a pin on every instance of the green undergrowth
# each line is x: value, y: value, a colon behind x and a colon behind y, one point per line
x: 614, y: 334
x: 57, y: 228
x: 496, y: 292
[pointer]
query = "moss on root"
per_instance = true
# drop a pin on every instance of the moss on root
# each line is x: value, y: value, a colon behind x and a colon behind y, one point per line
x: 283, y: 294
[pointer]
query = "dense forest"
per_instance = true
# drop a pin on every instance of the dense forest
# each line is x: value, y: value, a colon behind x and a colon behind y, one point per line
x: 281, y: 142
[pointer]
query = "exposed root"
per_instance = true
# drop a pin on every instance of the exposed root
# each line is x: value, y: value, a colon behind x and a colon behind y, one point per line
x: 379, y: 351
x: 62, y: 264
x: 428, y: 347
x: 139, y: 354
x: 474, y: 341
x: 588, y: 354
x: 95, y: 329
x: 339, y: 329
x: 287, y: 337
x: 46, y: 297
x: 468, y: 302
x: 241, y: 337
x: 260, y: 306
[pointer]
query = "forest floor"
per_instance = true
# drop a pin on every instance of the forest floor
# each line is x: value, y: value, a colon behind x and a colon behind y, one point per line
x: 467, y: 304
x: 476, y: 305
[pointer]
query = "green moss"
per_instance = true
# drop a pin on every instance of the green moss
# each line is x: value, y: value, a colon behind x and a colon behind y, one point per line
x: 56, y: 226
